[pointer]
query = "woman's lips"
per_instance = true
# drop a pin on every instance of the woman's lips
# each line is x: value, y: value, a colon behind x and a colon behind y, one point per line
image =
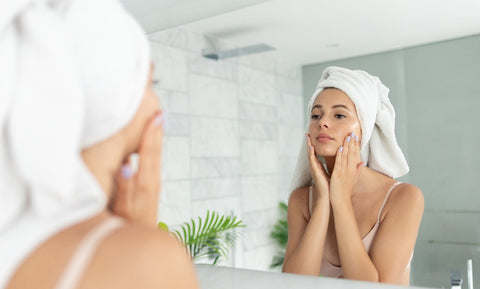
x: 324, y: 138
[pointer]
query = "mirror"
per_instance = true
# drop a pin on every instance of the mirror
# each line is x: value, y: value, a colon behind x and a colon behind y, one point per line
x: 234, y: 125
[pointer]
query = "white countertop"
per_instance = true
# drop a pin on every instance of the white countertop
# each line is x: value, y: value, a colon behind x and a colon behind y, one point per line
x: 217, y: 277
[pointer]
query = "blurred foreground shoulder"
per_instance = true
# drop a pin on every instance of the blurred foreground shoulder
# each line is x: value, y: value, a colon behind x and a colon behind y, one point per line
x: 136, y: 257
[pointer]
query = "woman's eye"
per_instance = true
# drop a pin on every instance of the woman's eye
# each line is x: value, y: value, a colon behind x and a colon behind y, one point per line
x: 315, y: 116
x: 340, y: 116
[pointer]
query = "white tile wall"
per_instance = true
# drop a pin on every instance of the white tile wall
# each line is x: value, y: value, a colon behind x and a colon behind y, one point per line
x: 265, y: 61
x: 214, y: 188
x: 259, y: 192
x: 233, y: 131
x: 214, y: 137
x: 255, y: 111
x: 213, y: 97
x: 175, y: 158
x: 209, y: 67
x: 289, y: 108
x: 175, y: 205
x: 289, y: 85
x: 262, y: 219
x: 258, y: 130
x: 176, y: 124
x: 177, y: 38
x: 259, y: 258
x: 257, y: 78
x: 171, y: 67
x: 215, y: 167
x: 227, y: 205
x: 259, y: 157
x: 173, y: 101
x: 256, y: 239
x: 288, y: 145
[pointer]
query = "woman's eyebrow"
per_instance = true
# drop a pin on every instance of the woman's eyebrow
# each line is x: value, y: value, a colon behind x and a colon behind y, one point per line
x: 334, y: 106
x: 341, y: 106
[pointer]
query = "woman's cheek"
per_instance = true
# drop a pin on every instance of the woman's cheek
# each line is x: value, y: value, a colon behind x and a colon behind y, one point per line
x: 355, y: 128
x: 311, y: 127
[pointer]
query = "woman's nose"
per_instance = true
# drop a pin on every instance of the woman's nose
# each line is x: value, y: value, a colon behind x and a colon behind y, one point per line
x: 324, y: 122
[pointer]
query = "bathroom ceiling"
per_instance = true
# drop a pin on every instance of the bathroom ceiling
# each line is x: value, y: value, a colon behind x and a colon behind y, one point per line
x: 156, y: 15
x: 311, y: 31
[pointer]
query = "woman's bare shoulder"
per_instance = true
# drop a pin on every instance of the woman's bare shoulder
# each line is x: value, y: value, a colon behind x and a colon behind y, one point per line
x: 138, y: 257
x: 298, y: 203
x: 299, y: 195
x: 406, y: 197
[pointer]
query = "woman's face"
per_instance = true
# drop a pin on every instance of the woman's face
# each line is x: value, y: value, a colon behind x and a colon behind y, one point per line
x: 148, y: 107
x: 332, y: 118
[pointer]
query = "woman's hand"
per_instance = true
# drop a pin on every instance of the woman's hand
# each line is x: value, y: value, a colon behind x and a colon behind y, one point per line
x: 348, y: 163
x: 137, y: 194
x: 320, y: 177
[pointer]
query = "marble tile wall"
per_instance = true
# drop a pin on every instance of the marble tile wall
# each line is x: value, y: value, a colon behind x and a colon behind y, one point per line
x: 232, y: 134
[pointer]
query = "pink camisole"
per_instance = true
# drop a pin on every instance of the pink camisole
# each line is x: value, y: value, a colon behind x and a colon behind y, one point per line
x: 85, y: 251
x: 331, y: 270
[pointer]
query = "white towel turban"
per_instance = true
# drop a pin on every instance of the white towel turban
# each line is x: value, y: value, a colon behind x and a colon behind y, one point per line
x: 379, y: 148
x: 72, y: 73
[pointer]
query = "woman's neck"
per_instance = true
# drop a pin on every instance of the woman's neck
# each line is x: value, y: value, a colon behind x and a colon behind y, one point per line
x: 365, y: 180
x: 104, y: 161
x: 330, y: 162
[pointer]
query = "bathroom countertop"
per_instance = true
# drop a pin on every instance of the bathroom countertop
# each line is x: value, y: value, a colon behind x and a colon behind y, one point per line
x: 217, y: 277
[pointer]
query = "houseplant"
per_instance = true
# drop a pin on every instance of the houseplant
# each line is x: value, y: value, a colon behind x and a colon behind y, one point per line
x: 210, y: 238
x: 279, y: 234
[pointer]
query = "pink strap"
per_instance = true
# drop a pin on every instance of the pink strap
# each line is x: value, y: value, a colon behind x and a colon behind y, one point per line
x: 386, y: 199
x: 310, y: 196
x: 84, y: 253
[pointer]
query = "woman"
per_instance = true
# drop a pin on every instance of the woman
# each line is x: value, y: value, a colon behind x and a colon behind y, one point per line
x: 76, y: 101
x: 347, y: 215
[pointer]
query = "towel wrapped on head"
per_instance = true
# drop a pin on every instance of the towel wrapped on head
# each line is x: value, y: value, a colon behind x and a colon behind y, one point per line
x: 73, y: 73
x: 379, y: 148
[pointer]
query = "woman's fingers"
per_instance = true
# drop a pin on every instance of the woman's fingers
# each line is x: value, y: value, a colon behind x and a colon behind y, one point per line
x: 312, y: 157
x: 348, y: 155
x: 356, y: 157
x: 311, y: 150
x: 125, y: 191
x: 150, y: 156
x: 352, y: 149
x: 314, y: 163
x: 137, y: 195
x: 339, y: 159
x: 346, y: 152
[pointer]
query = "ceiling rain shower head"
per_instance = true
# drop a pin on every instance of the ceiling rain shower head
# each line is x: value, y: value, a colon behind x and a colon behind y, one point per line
x: 251, y: 49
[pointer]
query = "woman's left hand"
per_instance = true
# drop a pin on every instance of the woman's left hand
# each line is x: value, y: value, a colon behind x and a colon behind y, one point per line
x: 137, y: 194
x: 348, y: 164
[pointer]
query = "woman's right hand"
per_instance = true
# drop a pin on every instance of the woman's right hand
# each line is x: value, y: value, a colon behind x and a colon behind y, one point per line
x: 137, y: 194
x: 321, y: 179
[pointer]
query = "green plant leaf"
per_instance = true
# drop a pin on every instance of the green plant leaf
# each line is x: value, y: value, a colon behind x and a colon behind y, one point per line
x: 212, y: 237
x: 277, y: 260
x: 279, y: 234
x: 162, y: 226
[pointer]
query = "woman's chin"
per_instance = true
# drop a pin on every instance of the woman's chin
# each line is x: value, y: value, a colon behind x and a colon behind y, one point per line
x: 326, y: 153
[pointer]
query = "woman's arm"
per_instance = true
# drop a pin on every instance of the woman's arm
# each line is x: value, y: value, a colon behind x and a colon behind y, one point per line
x: 137, y: 194
x: 356, y: 263
x: 306, y: 238
x: 393, y: 244
x: 395, y: 239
